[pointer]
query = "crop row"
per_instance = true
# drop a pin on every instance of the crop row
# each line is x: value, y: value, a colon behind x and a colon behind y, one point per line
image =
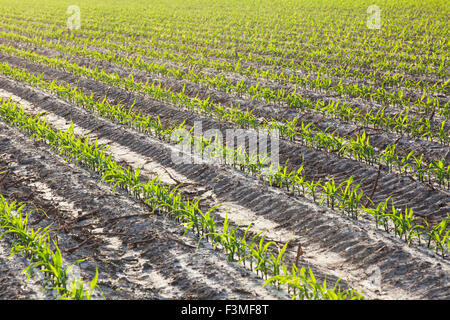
x: 426, y: 103
x: 260, y: 44
x: 206, y: 57
x: 347, y: 196
x: 233, y: 31
x: 358, y: 148
x: 255, y: 252
x: 43, y: 252
x: 229, y: 38
x: 401, y: 123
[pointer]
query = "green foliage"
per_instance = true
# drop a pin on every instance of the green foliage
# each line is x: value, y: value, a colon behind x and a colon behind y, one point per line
x: 162, y: 198
x: 43, y: 252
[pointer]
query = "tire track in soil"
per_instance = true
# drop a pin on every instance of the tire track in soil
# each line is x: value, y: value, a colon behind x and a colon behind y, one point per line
x: 359, y: 246
x: 423, y: 199
x: 162, y: 265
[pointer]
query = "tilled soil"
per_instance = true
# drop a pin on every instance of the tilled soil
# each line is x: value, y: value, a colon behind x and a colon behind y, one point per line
x: 237, y: 47
x: 426, y: 200
x: 147, y: 257
x: 139, y: 255
x: 259, y: 108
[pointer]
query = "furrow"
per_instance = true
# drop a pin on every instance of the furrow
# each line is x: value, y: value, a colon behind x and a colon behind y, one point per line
x: 308, y: 222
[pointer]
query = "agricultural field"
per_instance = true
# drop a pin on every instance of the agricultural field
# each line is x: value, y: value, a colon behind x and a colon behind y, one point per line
x: 224, y: 150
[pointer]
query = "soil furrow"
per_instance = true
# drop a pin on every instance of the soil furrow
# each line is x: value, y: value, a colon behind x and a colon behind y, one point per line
x: 114, y: 256
x: 13, y: 283
x: 321, y: 163
x: 303, y: 218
